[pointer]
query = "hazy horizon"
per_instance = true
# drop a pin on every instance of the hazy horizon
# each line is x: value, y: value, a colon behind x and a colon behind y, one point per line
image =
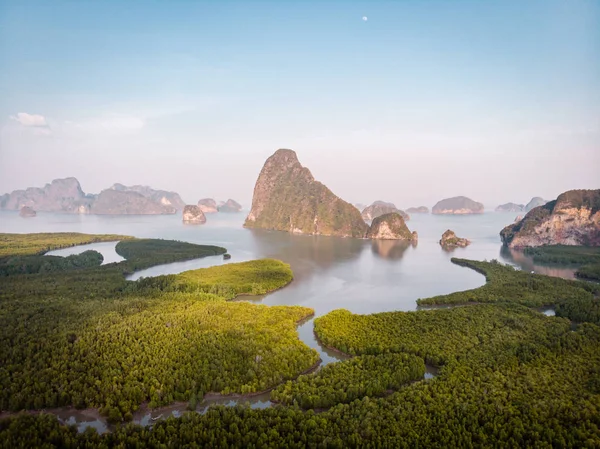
x: 498, y: 101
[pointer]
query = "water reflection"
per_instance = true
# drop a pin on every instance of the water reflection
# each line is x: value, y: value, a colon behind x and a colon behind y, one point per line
x: 390, y: 249
x: 526, y: 263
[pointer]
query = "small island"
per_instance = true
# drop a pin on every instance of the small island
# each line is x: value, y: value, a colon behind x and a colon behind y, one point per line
x: 450, y: 240
x: 418, y: 210
x: 208, y: 205
x: 390, y: 227
x: 230, y: 206
x: 510, y: 207
x: 458, y: 205
x: 379, y: 208
x: 193, y: 215
x: 27, y: 212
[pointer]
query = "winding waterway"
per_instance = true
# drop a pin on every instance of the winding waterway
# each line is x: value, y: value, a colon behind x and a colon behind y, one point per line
x: 329, y: 273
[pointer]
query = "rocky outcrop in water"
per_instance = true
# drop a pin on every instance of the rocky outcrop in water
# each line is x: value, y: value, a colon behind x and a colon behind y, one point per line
x: 288, y: 198
x: 390, y: 227
x: 230, y: 206
x: 61, y: 195
x: 208, y: 205
x: 27, y: 212
x: 450, y: 240
x: 379, y: 208
x: 117, y: 202
x: 535, y: 202
x: 572, y: 219
x: 458, y: 205
x: 192, y: 214
x: 510, y: 207
x: 162, y: 197
x: 418, y: 210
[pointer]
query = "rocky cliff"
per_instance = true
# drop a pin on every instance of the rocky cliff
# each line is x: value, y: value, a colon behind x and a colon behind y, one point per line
x: 417, y: 210
x: 61, y: 195
x: 192, y: 214
x: 450, y: 240
x: 163, y: 197
x: 390, y: 227
x: 288, y: 198
x: 379, y: 208
x: 457, y: 205
x: 117, y: 202
x: 208, y: 205
x: 510, y: 207
x: 535, y: 202
x: 572, y: 219
x: 230, y: 206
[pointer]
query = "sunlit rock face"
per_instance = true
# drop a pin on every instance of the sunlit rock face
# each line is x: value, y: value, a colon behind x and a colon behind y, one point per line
x: 208, y: 205
x: 192, y: 214
x: 451, y: 240
x: 390, y: 227
x: 288, y: 198
x: 572, y: 219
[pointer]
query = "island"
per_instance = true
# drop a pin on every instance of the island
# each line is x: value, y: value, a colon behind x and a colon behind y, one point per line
x: 535, y: 202
x: 288, y: 198
x: 192, y: 214
x: 418, y: 210
x: 379, y: 208
x: 572, y: 219
x: 510, y: 207
x: 449, y: 240
x: 230, y: 206
x: 458, y: 205
x: 27, y: 212
x: 208, y: 205
x: 391, y: 227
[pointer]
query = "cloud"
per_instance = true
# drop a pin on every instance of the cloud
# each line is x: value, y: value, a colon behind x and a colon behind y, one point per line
x: 30, y: 120
x: 109, y: 123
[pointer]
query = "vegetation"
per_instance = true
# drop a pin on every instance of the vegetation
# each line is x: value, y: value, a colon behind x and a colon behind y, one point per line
x: 30, y: 244
x: 48, y: 264
x: 587, y: 258
x: 344, y: 382
x: 89, y: 338
x: 591, y: 272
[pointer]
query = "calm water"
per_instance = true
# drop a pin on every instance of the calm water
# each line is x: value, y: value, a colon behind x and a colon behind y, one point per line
x: 329, y: 273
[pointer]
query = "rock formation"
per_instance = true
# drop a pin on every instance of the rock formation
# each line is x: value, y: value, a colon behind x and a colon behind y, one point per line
x: 208, y: 205
x: 61, y: 195
x: 117, y: 202
x: 360, y: 206
x: 450, y: 240
x: 287, y: 198
x: 230, y: 206
x: 27, y: 212
x: 193, y: 215
x: 390, y: 227
x: 160, y: 196
x: 379, y: 208
x: 418, y: 210
x: 572, y: 219
x: 535, y: 202
x: 457, y: 205
x: 510, y: 207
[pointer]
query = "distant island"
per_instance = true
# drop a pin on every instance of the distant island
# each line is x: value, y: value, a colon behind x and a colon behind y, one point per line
x: 379, y: 208
x: 458, y: 205
x: 510, y: 207
x: 572, y: 219
x: 418, y: 210
x: 535, y: 202
x: 207, y: 205
x: 192, y: 214
x: 27, y: 212
x: 230, y: 206
x: 288, y: 198
x: 66, y: 196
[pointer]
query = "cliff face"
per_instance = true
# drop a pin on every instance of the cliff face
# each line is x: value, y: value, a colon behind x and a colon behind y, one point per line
x: 61, y: 195
x: 379, y: 208
x: 418, y: 210
x: 287, y: 198
x: 572, y: 219
x: 535, y: 202
x: 510, y: 207
x: 159, y: 196
x: 230, y: 206
x: 208, y: 205
x: 390, y: 227
x: 116, y: 202
x: 458, y: 205
x: 192, y: 214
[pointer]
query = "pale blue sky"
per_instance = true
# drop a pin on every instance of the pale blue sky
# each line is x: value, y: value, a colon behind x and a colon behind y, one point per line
x: 496, y: 100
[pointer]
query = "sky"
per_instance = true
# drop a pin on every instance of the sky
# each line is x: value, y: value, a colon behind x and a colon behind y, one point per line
x: 408, y: 101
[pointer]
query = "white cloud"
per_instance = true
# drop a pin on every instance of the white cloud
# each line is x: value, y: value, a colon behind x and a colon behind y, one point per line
x: 31, y: 120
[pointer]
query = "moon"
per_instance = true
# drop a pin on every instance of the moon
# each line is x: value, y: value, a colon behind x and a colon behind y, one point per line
x: 365, y: 18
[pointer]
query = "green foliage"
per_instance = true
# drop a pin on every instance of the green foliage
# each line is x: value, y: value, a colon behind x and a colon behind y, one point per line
x: 564, y: 254
x: 48, y: 264
x: 591, y: 272
x: 29, y: 244
x: 344, y: 382
x: 506, y: 284
x: 167, y: 250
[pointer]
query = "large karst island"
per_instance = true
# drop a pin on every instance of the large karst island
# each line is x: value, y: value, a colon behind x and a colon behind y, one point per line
x: 572, y: 219
x: 458, y: 205
x: 288, y: 198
